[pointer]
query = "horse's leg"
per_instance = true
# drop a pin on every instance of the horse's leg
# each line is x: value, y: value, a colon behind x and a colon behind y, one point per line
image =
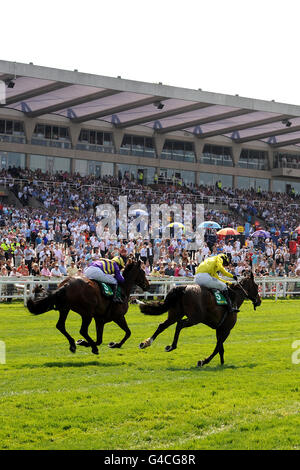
x: 185, y: 323
x: 61, y: 326
x: 99, y: 329
x: 86, y: 320
x: 122, y: 323
x: 221, y: 337
x: 161, y: 327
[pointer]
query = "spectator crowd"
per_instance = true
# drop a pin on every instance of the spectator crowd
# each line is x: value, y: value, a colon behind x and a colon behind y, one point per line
x: 53, y: 232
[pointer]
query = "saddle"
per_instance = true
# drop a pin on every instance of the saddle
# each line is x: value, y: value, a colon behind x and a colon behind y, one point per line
x: 107, y: 290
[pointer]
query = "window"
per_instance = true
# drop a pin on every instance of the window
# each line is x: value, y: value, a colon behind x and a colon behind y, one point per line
x: 244, y: 182
x: 95, y: 141
x: 286, y: 160
x: 138, y: 145
x: 210, y: 179
x: 11, y: 159
x: 49, y: 164
x: 188, y: 177
x: 177, y: 150
x: 51, y: 136
x: 216, y: 155
x: 254, y: 159
x: 12, y: 131
x: 280, y: 186
x: 81, y: 167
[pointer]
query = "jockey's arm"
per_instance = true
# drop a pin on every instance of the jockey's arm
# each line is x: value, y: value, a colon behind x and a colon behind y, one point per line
x: 222, y: 280
x: 118, y: 274
x: 225, y: 273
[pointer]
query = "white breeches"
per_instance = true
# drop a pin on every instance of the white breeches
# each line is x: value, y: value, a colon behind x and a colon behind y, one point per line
x: 92, y: 272
x: 206, y: 280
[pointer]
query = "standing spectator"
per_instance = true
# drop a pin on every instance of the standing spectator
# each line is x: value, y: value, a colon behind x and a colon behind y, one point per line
x: 35, y: 270
x: 45, y: 270
x: 23, y: 269
x: 29, y: 254
x: 72, y: 270
x: 55, y: 271
x: 18, y: 256
x: 63, y: 268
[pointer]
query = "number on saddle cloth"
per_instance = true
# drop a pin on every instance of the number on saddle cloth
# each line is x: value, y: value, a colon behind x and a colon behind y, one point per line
x: 220, y: 299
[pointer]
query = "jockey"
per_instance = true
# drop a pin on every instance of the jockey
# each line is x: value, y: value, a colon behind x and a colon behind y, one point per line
x: 207, y: 276
x: 108, y: 271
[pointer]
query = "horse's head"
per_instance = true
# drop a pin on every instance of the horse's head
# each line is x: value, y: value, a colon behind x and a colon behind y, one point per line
x: 39, y: 291
x: 137, y: 274
x: 250, y: 288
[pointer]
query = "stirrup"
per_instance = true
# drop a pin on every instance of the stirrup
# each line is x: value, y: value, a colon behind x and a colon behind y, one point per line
x: 233, y: 309
x: 115, y: 299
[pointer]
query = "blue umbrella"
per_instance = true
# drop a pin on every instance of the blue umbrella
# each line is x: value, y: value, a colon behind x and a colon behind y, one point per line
x: 261, y: 233
x: 209, y: 224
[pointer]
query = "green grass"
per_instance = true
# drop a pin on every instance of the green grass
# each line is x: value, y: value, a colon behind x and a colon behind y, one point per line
x: 150, y: 399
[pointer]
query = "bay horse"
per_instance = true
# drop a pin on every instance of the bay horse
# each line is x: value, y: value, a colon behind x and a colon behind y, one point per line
x: 85, y: 297
x: 198, y: 304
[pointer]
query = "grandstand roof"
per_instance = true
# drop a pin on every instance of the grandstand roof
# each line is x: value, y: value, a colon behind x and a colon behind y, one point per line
x: 81, y: 97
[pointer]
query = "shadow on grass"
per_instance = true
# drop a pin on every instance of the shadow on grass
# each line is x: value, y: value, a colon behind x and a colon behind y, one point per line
x: 80, y: 364
x: 70, y: 364
x: 207, y: 368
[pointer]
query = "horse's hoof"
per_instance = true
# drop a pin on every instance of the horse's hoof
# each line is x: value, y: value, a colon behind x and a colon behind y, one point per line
x: 113, y: 345
x: 169, y: 348
x: 146, y: 343
x: 73, y: 349
x: 82, y: 342
x: 95, y: 351
x: 200, y: 364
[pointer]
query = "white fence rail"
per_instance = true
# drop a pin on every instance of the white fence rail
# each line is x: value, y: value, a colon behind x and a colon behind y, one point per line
x: 21, y: 288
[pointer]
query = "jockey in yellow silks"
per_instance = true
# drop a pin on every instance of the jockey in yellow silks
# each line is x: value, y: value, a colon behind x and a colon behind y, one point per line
x: 207, y: 275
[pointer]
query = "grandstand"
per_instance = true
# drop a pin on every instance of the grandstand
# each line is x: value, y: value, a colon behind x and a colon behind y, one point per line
x: 57, y: 120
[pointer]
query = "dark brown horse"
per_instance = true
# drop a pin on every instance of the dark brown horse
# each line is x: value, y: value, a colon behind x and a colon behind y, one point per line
x: 85, y: 297
x: 199, y: 306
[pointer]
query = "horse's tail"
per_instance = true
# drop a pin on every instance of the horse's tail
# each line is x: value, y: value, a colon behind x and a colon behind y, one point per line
x: 52, y: 301
x: 158, y: 308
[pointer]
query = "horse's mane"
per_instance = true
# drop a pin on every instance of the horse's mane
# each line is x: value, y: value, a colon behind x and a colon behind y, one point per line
x: 129, y: 267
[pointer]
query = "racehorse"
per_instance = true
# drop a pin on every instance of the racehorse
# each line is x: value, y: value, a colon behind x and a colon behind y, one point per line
x: 198, y: 304
x: 85, y: 297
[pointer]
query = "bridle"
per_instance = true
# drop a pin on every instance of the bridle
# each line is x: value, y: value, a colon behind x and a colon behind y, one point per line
x: 254, y: 301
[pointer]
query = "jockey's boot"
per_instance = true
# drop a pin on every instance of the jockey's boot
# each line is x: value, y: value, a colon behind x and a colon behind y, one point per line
x: 231, y: 308
x: 115, y: 297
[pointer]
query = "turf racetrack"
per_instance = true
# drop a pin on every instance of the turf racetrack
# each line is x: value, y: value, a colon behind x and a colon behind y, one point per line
x: 149, y: 399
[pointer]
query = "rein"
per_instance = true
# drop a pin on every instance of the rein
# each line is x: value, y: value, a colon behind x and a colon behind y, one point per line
x: 241, y: 287
x: 246, y: 294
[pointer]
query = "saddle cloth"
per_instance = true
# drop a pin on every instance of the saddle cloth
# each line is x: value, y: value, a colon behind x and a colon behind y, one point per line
x: 220, y: 299
x: 107, y: 290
